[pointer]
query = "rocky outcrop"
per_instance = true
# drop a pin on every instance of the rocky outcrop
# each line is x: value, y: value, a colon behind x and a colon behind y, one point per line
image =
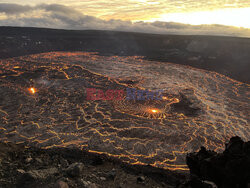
x: 230, y: 169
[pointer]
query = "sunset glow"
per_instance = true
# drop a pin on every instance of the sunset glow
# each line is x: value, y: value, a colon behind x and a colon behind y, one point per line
x: 230, y: 17
x: 147, y: 16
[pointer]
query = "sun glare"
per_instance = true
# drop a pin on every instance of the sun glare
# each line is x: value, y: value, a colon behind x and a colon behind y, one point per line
x: 237, y: 17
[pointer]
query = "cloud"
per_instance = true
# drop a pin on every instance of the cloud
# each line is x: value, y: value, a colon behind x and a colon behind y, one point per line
x: 64, y: 17
x: 57, y: 8
x: 139, y: 9
x: 9, y: 8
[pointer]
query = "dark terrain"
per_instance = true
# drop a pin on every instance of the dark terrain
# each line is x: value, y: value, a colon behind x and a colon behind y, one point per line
x: 32, y: 167
x: 23, y: 167
x: 226, y: 55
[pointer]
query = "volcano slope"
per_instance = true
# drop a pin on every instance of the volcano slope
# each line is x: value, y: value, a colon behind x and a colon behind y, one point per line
x: 44, y: 104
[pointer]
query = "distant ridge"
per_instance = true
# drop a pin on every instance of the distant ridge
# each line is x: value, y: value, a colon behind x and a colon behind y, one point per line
x: 226, y: 55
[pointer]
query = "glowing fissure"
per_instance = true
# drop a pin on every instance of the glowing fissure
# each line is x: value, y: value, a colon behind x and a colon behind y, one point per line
x: 197, y: 107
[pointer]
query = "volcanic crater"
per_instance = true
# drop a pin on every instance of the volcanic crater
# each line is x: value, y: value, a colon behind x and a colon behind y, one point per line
x: 43, y: 104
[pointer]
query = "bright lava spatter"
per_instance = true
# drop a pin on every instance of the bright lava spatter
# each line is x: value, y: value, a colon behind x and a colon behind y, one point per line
x: 197, y: 108
x: 154, y: 111
x: 32, y: 90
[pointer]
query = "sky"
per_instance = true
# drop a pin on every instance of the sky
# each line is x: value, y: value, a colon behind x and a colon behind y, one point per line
x: 215, y: 17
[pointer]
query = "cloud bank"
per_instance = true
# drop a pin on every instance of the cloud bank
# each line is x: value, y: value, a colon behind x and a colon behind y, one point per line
x: 64, y: 17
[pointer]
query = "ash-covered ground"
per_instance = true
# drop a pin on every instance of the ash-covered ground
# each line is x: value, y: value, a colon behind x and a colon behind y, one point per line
x: 198, y: 108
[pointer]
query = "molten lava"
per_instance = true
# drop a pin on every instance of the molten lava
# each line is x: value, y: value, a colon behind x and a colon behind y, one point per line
x: 154, y: 111
x: 32, y: 90
x: 198, y: 108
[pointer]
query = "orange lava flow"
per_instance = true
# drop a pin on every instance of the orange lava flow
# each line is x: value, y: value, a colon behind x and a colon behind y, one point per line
x: 198, y: 108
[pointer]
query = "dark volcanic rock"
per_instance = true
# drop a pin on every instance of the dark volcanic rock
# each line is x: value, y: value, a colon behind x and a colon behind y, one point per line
x: 61, y: 184
x: 75, y: 169
x: 111, y: 174
x: 231, y: 169
x: 195, y: 182
x: 140, y: 179
x: 41, y: 174
x: 189, y: 105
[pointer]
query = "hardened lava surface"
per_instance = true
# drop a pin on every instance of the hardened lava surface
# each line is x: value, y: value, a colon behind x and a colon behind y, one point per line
x: 43, y: 103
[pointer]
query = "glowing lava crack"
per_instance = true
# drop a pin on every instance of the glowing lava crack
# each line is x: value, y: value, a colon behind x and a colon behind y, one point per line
x: 43, y: 103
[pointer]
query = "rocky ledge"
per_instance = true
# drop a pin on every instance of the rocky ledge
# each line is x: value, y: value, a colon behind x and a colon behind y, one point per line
x: 63, y: 168
x: 24, y: 167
